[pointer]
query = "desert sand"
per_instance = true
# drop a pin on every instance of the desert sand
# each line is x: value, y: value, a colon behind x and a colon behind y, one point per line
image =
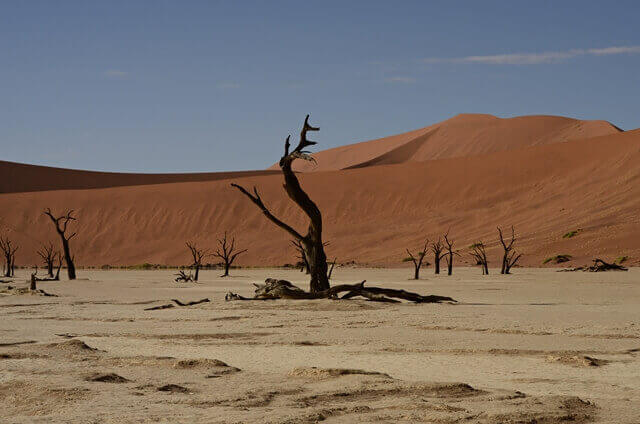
x: 535, y: 173
x: 537, y: 346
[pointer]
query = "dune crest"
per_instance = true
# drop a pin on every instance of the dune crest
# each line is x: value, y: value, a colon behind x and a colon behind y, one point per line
x: 463, y: 135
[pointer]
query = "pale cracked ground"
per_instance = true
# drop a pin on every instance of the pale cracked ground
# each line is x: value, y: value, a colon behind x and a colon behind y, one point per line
x: 538, y: 346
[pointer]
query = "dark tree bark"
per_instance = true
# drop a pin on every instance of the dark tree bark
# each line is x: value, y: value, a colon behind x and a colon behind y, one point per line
x: 479, y: 254
x: 33, y: 284
x: 182, y: 276
x: 599, y: 265
x: 227, y: 252
x: 197, y: 256
x: 61, y: 223
x: 302, y: 258
x: 509, y: 258
x: 9, y: 252
x: 437, y: 248
x: 449, y: 254
x: 417, y: 259
x: 57, y: 277
x: 48, y: 255
x: 312, y: 241
x: 282, y: 289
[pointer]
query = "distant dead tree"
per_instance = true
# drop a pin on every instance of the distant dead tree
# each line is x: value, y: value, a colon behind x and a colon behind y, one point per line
x: 33, y: 283
x: 197, y: 255
x: 479, y: 254
x: 312, y: 241
x: 48, y: 255
x: 59, y: 257
x: 437, y: 248
x: 182, y: 276
x: 509, y: 258
x: 9, y: 251
x: 449, y: 254
x: 417, y: 259
x: 61, y: 223
x: 302, y: 259
x: 227, y: 252
x: 304, y: 263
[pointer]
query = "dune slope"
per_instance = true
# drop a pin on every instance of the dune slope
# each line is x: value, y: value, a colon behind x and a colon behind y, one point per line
x: 19, y: 177
x: 462, y: 135
x: 371, y: 214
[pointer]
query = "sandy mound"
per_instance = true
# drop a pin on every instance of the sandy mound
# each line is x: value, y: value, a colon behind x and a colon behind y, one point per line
x: 214, y: 367
x: 25, y: 398
x: 107, y: 378
x: 576, y: 360
x: 174, y: 388
x: 74, y: 346
x: 320, y: 373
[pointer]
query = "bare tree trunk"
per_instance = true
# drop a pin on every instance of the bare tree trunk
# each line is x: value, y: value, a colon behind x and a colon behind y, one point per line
x: 61, y: 224
x: 57, y: 277
x: 71, y: 267
x: 436, y: 248
x: 228, y: 252
x: 197, y: 256
x: 312, y: 241
x: 480, y: 255
x: 32, y: 284
x: 318, y: 268
x: 509, y: 258
x: 9, y: 251
x: 417, y: 259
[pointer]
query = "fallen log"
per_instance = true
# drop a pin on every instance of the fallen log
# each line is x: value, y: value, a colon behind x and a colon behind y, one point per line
x: 182, y: 276
x: 282, y: 289
x: 195, y: 302
x: 177, y: 302
x: 599, y: 265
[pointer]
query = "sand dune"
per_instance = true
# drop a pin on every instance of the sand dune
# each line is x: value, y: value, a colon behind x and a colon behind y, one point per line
x: 18, y: 177
x: 372, y: 213
x: 462, y: 135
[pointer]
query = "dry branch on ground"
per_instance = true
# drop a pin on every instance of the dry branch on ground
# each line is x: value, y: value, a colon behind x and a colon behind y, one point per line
x: 282, y: 289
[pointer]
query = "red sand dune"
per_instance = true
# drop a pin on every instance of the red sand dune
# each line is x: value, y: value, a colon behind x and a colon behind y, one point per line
x: 371, y: 213
x: 462, y: 135
x: 19, y: 178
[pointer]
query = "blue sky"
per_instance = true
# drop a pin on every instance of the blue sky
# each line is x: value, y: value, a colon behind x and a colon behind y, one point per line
x: 175, y: 86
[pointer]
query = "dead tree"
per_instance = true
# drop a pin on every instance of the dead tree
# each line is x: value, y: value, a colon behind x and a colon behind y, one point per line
x: 197, y: 255
x: 57, y: 276
x: 437, y: 248
x: 449, y: 254
x: 33, y: 283
x: 509, y: 258
x: 61, y: 223
x: 304, y: 263
x: 479, y: 254
x: 9, y: 252
x: 227, y: 252
x: 599, y: 265
x: 282, y: 289
x: 312, y: 241
x: 182, y: 276
x: 48, y: 255
x: 417, y: 259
